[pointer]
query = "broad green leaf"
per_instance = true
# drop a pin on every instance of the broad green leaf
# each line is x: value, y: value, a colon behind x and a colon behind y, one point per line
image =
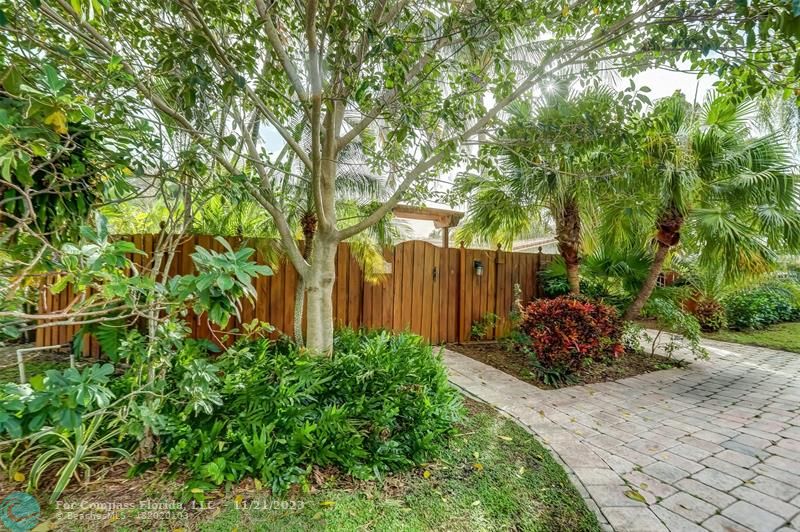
x: 225, y: 282
x: 60, y: 285
x: 69, y: 419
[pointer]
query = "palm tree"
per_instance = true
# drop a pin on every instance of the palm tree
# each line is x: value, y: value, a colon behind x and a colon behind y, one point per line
x: 728, y: 196
x: 545, y: 166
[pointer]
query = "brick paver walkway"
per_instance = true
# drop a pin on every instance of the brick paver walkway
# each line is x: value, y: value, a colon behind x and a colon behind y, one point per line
x: 715, y: 446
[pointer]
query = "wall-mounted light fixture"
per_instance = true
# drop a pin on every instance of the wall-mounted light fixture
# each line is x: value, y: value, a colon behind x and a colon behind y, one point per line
x: 478, y: 266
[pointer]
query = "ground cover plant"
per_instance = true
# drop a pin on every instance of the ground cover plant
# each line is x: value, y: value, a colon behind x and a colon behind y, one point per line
x: 264, y: 409
x: 491, y: 475
x: 381, y: 403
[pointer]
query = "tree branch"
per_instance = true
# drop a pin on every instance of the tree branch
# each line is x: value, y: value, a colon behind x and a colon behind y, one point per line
x: 275, y: 40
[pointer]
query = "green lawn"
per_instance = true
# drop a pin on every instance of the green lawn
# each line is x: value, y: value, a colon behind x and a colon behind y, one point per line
x: 493, y: 476
x: 9, y: 372
x: 784, y: 336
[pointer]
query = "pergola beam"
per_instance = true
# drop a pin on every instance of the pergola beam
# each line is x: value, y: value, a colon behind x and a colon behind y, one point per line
x: 442, y: 219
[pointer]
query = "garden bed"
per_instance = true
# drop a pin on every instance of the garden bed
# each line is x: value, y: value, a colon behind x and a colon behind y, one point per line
x: 518, y: 364
x: 492, y: 476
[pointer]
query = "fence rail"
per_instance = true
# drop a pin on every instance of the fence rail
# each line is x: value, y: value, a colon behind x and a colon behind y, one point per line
x: 435, y: 292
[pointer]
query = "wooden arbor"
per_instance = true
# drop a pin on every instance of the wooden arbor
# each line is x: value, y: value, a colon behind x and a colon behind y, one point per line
x: 442, y: 218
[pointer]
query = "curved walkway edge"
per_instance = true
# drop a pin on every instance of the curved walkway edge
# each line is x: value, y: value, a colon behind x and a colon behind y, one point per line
x: 715, y: 446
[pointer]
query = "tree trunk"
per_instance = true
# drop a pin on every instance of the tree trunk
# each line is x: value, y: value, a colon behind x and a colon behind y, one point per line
x: 299, y: 305
x: 568, y: 234
x: 649, y: 284
x: 669, y: 234
x: 308, y: 222
x: 573, y: 278
x: 319, y: 290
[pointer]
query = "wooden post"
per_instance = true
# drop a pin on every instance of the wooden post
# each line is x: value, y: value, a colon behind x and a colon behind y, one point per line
x: 498, y: 292
x: 460, y: 314
x: 536, y: 289
x: 446, y: 237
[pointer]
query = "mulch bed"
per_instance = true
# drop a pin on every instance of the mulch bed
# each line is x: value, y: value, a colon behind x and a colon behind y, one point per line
x: 516, y: 363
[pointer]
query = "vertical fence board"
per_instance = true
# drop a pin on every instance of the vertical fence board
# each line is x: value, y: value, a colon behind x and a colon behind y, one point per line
x: 387, y: 290
x: 426, y: 282
x: 435, y: 308
x: 432, y: 291
x: 355, y: 283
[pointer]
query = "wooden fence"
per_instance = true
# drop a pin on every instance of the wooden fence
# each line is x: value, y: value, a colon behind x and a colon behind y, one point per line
x: 435, y: 292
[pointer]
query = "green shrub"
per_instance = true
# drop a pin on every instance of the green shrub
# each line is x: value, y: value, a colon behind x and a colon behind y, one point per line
x: 710, y: 315
x: 566, y: 330
x: 57, y: 399
x: 380, y: 403
x: 684, y: 327
x: 557, y: 375
x: 758, y: 307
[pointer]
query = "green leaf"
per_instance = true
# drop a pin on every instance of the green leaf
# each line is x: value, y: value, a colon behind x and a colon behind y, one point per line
x: 225, y: 282
x: 224, y: 243
x: 37, y: 382
x: 60, y: 285
x: 54, y: 83
x: 3, y: 18
x: 13, y: 427
x: 37, y: 422
x: 101, y: 226
x: 11, y: 331
x: 69, y: 419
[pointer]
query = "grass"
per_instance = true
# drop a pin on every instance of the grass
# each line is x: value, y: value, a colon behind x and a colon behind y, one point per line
x: 492, y: 476
x: 783, y: 336
x: 10, y: 372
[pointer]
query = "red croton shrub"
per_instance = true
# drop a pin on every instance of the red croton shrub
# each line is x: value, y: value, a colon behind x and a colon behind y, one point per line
x: 565, y: 330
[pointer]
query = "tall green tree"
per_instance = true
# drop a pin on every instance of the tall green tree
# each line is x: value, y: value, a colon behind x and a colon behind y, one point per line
x: 729, y: 196
x: 420, y: 78
x: 548, y: 164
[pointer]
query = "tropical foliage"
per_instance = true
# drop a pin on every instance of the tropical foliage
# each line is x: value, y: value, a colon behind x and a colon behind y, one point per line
x: 548, y: 164
x: 411, y: 85
x: 565, y: 331
x: 772, y: 301
x: 380, y: 404
x: 726, y: 192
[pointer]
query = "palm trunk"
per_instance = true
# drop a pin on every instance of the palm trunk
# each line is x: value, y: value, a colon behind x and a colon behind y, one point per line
x: 573, y: 278
x: 568, y: 234
x: 669, y: 227
x: 649, y: 284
